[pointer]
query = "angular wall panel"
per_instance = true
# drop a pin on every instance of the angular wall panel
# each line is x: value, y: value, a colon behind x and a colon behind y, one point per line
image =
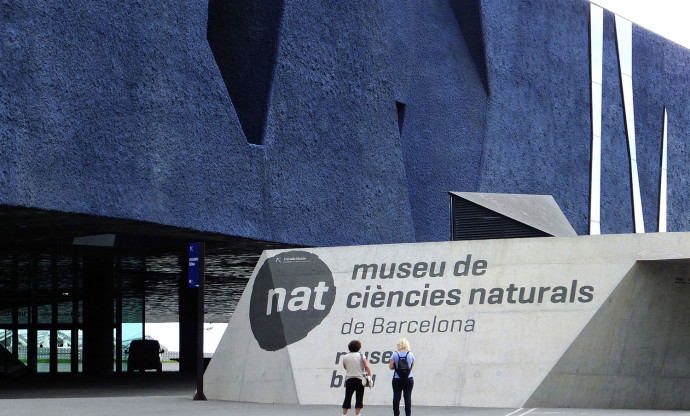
x: 589, y: 321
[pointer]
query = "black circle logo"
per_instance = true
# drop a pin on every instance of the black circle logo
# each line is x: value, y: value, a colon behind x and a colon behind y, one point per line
x: 292, y: 293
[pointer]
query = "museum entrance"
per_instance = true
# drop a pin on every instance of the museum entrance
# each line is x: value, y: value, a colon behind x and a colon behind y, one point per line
x: 76, y: 290
x: 69, y: 311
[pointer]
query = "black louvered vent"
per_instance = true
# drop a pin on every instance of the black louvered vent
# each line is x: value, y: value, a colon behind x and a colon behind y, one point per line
x: 470, y: 221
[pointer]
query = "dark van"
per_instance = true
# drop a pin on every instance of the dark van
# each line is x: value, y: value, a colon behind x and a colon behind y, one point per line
x: 144, y: 354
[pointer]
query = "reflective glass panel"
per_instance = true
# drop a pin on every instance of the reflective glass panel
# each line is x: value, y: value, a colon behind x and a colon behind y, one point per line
x: 43, y: 352
x: 65, y: 312
x: 22, y: 341
x: 45, y: 313
x: 5, y: 316
x: 23, y: 316
x: 64, y: 351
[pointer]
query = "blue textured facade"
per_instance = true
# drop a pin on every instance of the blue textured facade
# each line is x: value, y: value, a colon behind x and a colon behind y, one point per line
x: 326, y: 123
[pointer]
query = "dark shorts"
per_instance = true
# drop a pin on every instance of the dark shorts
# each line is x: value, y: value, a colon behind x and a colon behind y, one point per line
x: 353, y: 386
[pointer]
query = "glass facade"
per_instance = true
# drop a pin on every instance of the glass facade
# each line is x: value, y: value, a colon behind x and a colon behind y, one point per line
x: 42, y: 309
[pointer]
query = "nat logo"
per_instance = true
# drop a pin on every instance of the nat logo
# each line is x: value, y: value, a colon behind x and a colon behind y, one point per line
x: 293, y: 292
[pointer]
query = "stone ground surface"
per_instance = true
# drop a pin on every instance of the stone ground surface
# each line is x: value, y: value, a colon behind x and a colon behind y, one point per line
x: 173, y: 395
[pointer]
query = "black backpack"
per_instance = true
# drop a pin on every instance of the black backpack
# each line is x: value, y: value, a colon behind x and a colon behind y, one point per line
x: 403, y: 367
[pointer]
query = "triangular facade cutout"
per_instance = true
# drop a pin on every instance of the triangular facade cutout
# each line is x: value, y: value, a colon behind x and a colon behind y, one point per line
x: 479, y: 216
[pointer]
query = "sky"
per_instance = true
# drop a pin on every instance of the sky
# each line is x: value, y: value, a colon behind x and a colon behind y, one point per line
x: 168, y: 335
x: 668, y: 18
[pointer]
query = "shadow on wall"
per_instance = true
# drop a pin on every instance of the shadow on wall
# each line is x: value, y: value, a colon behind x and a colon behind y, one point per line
x: 243, y: 36
x: 634, y: 352
x: 469, y: 16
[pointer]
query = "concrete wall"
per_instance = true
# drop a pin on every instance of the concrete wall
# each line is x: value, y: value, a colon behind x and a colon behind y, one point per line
x: 596, y: 321
x: 633, y: 353
x: 345, y: 123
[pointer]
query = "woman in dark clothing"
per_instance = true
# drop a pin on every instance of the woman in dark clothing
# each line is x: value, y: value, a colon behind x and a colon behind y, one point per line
x: 355, y: 367
x: 402, y: 376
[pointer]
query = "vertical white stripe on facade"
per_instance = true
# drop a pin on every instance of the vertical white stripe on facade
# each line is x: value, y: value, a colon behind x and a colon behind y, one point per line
x: 662, y: 181
x: 624, y: 41
x: 596, y: 44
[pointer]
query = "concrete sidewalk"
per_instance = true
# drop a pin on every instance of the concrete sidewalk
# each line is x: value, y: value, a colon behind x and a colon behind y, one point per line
x: 172, y: 395
x: 179, y: 406
x: 184, y: 405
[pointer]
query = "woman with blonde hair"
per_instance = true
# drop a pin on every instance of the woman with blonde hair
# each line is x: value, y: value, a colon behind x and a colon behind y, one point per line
x: 402, y: 362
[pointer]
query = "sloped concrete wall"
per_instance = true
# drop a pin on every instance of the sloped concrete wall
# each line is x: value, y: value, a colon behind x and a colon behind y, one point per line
x: 269, y: 375
x: 634, y: 351
x: 594, y: 321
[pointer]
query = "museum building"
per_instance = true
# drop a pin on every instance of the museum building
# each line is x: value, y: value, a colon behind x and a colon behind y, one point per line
x: 129, y: 131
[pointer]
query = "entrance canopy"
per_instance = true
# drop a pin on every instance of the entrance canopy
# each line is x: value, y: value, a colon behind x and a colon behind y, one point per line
x: 75, y: 289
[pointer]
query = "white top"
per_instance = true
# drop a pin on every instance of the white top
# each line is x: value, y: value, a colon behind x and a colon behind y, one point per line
x: 353, y: 365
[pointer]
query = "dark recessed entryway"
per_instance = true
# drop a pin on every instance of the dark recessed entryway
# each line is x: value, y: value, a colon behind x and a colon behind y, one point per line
x: 69, y: 283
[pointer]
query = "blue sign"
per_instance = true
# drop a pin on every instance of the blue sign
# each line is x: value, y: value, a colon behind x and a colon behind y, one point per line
x: 193, y: 272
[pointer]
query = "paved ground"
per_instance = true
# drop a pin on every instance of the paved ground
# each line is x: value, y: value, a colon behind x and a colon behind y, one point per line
x: 147, y: 394
x: 184, y: 405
